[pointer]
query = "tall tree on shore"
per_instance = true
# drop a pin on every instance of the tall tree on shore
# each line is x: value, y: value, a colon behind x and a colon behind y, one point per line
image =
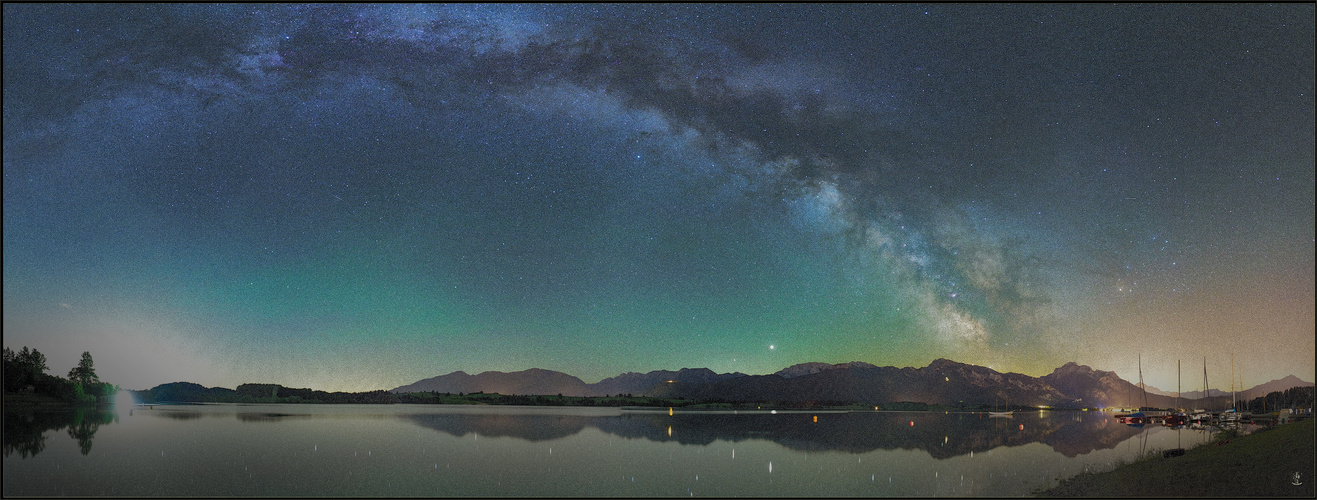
x: 23, y: 367
x: 84, y: 373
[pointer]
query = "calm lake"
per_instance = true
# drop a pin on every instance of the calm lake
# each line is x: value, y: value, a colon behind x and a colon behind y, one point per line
x: 431, y: 450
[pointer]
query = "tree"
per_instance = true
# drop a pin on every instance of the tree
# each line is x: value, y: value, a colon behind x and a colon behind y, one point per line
x: 84, y: 373
x: 23, y: 368
x: 34, y: 360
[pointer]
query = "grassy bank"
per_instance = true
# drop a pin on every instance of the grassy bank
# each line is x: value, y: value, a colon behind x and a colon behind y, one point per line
x: 1262, y: 464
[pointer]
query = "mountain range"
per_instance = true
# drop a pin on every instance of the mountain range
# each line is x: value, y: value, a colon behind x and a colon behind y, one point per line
x: 1256, y: 391
x: 536, y: 381
x: 941, y: 382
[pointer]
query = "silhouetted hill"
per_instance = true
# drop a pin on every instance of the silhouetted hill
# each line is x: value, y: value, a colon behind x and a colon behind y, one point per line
x: 185, y: 392
x: 941, y: 382
x: 532, y: 381
x: 638, y: 383
x: 1095, y: 388
x: 1281, y: 384
x: 812, y: 368
x: 536, y: 381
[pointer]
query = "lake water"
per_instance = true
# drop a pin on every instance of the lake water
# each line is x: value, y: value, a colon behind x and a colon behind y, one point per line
x: 432, y: 450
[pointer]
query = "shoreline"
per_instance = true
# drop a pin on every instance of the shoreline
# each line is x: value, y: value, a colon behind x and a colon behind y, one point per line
x: 1261, y: 464
x: 14, y: 401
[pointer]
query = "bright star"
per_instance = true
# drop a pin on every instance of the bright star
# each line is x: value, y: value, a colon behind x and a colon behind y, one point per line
x: 771, y: 347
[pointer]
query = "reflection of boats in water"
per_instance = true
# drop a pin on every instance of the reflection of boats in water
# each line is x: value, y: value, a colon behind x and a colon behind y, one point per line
x: 999, y: 413
x: 1149, y: 411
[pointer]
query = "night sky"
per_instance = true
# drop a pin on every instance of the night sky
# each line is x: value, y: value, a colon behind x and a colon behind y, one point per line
x: 355, y: 197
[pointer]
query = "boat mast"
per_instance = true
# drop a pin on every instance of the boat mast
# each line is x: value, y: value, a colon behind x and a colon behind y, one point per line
x: 1205, y: 389
x: 1145, y: 388
x: 1177, y: 384
x: 1232, y: 382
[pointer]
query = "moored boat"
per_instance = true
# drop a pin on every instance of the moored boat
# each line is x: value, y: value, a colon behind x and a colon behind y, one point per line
x: 1135, y: 418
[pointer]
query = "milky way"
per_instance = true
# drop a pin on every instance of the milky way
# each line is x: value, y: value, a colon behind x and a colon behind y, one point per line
x: 354, y: 197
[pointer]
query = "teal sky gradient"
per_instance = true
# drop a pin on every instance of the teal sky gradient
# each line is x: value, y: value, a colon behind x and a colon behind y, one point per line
x: 356, y: 197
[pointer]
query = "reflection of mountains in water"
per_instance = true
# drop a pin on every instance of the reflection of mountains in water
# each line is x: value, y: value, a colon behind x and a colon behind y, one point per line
x: 942, y: 436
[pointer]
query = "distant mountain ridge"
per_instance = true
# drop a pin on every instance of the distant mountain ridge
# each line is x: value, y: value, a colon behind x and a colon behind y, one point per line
x: 941, y: 382
x: 1256, y: 391
x: 812, y: 368
x: 537, y: 381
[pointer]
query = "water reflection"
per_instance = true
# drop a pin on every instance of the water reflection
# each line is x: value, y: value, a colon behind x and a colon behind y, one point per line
x: 270, y: 417
x: 421, y: 450
x: 942, y: 436
x: 25, y: 430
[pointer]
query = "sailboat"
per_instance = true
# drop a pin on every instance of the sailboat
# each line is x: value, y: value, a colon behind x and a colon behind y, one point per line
x: 1177, y: 417
x: 1201, y: 416
x: 1139, y: 418
x: 999, y: 413
x: 1231, y: 415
